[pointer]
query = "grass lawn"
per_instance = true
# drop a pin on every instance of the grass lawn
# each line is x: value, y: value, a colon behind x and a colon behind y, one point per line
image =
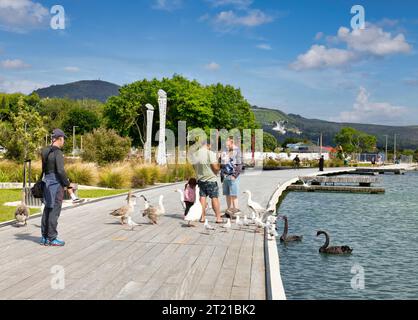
x: 97, y: 193
x: 12, y: 195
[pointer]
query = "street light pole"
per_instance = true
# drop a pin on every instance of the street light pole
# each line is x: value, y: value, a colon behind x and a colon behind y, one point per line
x: 74, y: 140
x: 321, y: 144
x: 394, y: 149
x: 386, y: 149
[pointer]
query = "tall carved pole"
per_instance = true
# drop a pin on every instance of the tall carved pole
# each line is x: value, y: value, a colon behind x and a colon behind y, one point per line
x: 148, y: 143
x: 162, y: 102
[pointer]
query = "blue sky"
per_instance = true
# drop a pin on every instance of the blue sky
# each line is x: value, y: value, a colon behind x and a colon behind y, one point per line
x: 300, y: 56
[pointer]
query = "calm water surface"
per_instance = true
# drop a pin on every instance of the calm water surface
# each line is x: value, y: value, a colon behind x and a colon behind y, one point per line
x: 382, y: 230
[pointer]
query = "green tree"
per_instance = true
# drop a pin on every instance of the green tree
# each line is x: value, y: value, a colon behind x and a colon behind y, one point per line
x: 25, y: 133
x: 84, y: 120
x: 352, y: 140
x: 269, y: 142
x: 105, y: 146
x: 217, y: 106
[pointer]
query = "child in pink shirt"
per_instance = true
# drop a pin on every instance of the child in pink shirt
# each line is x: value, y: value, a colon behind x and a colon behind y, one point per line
x: 190, y: 194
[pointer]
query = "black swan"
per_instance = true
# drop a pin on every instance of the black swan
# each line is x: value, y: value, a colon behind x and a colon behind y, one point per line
x: 285, y: 237
x: 332, y: 250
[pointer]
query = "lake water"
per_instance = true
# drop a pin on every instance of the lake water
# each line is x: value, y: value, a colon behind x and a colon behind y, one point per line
x: 382, y: 230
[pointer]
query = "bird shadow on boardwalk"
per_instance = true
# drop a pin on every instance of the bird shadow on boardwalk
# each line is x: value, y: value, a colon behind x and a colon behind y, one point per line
x: 26, y: 237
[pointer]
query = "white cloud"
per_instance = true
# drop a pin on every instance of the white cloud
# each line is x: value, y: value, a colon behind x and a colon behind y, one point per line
x: 22, y: 15
x: 365, y: 111
x: 252, y: 18
x: 374, y: 41
x: 240, y: 4
x: 21, y: 86
x: 213, y: 66
x: 319, y: 56
x: 167, y: 5
x: 360, y: 44
x: 264, y: 46
x: 13, y: 64
x: 72, y: 69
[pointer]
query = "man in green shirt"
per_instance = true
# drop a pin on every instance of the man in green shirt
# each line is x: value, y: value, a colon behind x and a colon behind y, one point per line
x: 207, y: 168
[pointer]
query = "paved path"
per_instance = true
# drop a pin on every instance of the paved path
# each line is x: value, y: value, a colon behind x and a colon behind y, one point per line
x: 104, y: 260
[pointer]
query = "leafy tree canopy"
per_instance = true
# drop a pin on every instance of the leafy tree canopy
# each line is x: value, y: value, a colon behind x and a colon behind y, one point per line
x: 352, y: 140
x: 216, y: 106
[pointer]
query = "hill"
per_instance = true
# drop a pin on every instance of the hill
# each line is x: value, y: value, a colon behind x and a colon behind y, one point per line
x: 86, y: 89
x: 298, y: 126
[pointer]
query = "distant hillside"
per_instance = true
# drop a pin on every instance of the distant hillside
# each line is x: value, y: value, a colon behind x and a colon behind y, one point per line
x: 311, y: 129
x: 86, y: 89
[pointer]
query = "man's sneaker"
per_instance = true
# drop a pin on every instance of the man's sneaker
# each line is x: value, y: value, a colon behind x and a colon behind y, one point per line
x: 57, y: 243
x: 44, y: 242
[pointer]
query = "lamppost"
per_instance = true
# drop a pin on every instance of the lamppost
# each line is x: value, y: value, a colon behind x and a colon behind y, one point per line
x: 394, y: 149
x: 148, y: 142
x: 162, y: 103
x: 74, y: 140
x: 386, y: 149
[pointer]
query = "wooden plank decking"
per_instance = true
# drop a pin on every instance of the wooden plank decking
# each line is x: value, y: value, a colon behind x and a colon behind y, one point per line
x: 103, y: 260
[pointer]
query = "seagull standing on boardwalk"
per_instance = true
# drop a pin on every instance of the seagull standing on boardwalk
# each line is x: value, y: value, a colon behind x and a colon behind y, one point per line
x: 246, y: 221
x: 254, y: 206
x: 132, y: 223
x: 208, y: 227
x: 124, y: 212
x: 227, y: 225
x: 239, y: 223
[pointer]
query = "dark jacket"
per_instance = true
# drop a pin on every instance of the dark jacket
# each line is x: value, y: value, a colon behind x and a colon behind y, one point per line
x: 234, y: 165
x: 55, y: 164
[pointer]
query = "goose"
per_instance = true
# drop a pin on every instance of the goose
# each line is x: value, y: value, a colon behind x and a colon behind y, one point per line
x: 195, y: 212
x: 153, y: 213
x: 254, y: 206
x: 181, y: 197
x: 124, y: 212
x: 332, y: 250
x: 22, y: 211
x: 285, y: 237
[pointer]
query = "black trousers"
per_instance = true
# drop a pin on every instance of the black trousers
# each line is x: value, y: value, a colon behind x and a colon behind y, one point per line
x: 188, y: 206
x: 50, y: 221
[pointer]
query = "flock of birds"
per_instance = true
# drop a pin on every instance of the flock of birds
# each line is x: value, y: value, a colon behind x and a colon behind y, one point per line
x: 153, y: 213
x: 261, y: 217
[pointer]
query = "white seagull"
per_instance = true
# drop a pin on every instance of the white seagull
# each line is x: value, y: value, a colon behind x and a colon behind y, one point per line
x: 227, y: 225
x: 132, y: 224
x: 254, y: 206
x: 239, y: 223
x: 246, y: 221
x: 208, y: 227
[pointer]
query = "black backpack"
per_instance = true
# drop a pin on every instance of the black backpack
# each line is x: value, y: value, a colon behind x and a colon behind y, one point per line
x: 38, y: 188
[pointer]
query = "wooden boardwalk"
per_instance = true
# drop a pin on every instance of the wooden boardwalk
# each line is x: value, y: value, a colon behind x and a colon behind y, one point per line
x: 103, y: 260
